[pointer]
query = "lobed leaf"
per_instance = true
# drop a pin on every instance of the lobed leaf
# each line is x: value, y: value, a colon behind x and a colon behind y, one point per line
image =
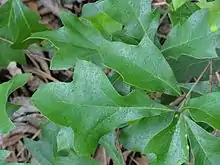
x: 17, y: 23
x: 140, y: 65
x: 47, y: 150
x: 91, y: 106
x: 136, y: 15
x: 5, y: 90
x: 20, y: 20
x: 193, y: 38
x: 8, y: 54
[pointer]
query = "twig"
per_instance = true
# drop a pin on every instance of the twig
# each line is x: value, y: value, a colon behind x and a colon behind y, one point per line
x: 43, y: 58
x: 194, y: 85
x: 210, y: 75
x: 159, y: 4
x: 40, y: 73
x: 135, y: 161
x: 131, y: 158
x: 161, y: 35
x: 35, y: 135
x: 32, y: 60
x: 118, y: 146
x: 218, y: 77
x: 164, y: 15
x: 178, y: 100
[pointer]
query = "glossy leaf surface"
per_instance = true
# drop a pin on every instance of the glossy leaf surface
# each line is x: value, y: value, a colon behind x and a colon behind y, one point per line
x: 205, y: 146
x: 142, y: 62
x: 135, y: 15
x: 193, y: 38
x: 91, y: 106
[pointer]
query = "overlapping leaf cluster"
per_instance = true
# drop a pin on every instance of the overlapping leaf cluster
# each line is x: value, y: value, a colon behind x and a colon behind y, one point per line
x: 122, y: 35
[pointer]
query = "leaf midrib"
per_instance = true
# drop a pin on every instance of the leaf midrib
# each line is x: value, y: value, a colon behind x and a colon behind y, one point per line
x: 185, y: 42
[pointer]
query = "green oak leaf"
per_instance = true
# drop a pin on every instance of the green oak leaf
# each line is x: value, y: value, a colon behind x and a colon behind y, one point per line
x: 5, y: 90
x: 205, y: 109
x: 91, y: 106
x: 79, y: 39
x: 183, y: 13
x: 109, y: 142
x: 193, y: 38
x: 136, y: 138
x: 136, y: 15
x: 20, y: 20
x: 161, y: 136
x: 8, y: 54
x: 100, y: 20
x: 17, y: 23
x: 204, y: 145
x: 178, y: 3
x: 47, y: 150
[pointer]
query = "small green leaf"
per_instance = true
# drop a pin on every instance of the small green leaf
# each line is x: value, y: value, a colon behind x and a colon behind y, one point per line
x: 5, y: 90
x: 65, y: 139
x: 135, y: 15
x: 206, y: 109
x: 20, y: 20
x: 193, y: 38
x: 178, y: 3
x: 134, y: 62
x: 45, y: 150
x: 17, y: 23
x: 205, y: 146
x: 105, y: 24
x: 137, y: 136
x: 8, y: 54
x: 40, y: 150
x: 170, y: 145
x: 109, y: 142
x: 91, y: 106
